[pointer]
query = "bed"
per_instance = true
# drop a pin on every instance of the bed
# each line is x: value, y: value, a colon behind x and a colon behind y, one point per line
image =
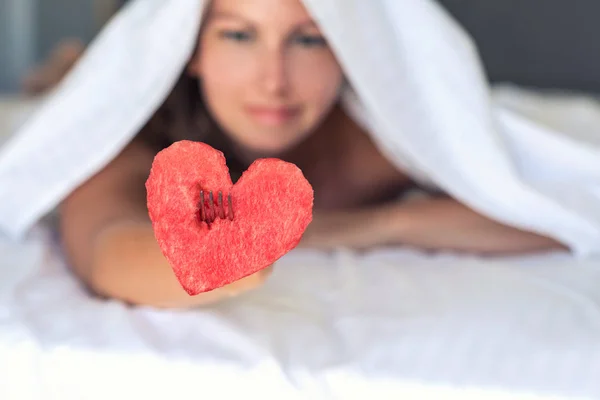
x: 394, y: 323
x: 389, y: 324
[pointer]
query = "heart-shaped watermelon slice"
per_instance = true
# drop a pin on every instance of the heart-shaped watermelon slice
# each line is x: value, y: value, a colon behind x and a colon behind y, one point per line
x: 209, y: 247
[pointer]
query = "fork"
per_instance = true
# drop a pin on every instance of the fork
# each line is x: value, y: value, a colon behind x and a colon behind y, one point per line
x: 208, y: 212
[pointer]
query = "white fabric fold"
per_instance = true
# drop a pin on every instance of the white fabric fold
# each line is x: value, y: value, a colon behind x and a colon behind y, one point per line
x: 417, y: 83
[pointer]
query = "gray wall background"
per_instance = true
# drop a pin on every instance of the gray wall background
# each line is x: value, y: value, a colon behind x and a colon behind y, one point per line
x: 539, y: 43
x: 30, y: 28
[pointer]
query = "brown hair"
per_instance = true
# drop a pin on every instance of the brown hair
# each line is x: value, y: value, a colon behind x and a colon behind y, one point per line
x: 184, y: 116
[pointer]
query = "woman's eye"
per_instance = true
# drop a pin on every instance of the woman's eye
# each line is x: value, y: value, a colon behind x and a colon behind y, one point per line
x: 310, y: 40
x: 239, y: 36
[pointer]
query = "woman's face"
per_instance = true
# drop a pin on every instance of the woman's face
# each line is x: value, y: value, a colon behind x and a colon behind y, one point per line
x: 267, y: 75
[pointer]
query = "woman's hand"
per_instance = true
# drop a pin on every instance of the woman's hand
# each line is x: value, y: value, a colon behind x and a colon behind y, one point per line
x: 236, y: 288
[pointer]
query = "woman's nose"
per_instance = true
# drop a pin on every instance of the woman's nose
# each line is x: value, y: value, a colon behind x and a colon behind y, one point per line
x: 274, y: 74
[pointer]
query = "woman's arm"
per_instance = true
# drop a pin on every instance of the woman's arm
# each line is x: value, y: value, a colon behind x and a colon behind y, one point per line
x: 434, y: 224
x: 111, y: 245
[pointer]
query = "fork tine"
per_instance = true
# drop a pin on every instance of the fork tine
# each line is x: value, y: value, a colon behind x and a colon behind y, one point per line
x: 221, y: 210
x: 211, y: 203
x: 230, y: 211
x: 202, y: 211
x: 215, y: 207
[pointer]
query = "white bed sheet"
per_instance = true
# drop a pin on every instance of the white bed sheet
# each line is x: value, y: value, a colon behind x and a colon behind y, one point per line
x: 391, y: 324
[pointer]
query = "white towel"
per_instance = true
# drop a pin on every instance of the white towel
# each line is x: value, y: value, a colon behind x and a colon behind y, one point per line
x: 417, y: 82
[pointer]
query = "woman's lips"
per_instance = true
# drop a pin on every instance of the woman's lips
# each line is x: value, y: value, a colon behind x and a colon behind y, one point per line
x: 272, y: 116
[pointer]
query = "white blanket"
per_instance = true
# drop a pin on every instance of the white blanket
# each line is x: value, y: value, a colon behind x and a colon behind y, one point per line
x: 416, y: 82
x: 389, y: 325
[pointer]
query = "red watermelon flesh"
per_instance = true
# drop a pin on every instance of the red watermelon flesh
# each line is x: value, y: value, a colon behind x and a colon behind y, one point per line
x: 272, y: 207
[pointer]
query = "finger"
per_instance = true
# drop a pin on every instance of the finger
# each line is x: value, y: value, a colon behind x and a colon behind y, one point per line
x: 250, y: 282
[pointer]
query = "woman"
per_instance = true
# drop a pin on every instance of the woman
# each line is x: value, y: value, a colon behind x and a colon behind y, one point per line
x: 263, y: 83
